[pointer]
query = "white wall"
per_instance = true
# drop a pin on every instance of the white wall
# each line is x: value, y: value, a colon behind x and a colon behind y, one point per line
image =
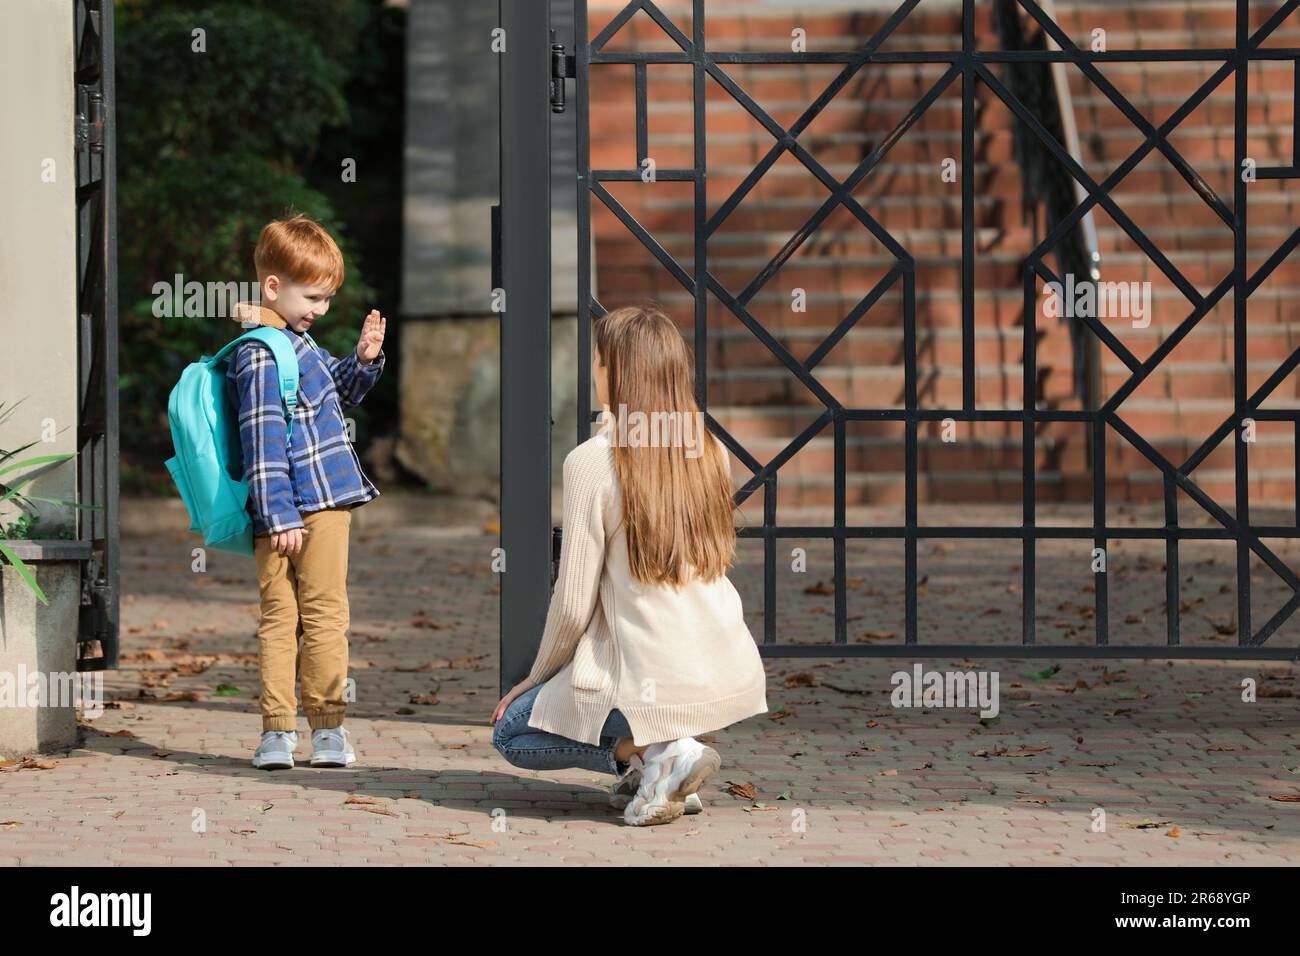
x: 38, y: 275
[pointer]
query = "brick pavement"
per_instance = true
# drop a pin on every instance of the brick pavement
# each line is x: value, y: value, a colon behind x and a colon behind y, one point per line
x: 1184, y: 770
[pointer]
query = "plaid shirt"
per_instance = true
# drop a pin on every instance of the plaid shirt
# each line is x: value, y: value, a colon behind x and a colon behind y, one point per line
x: 319, y: 469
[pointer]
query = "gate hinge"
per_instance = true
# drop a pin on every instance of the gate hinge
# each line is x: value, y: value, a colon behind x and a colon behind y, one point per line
x: 90, y: 119
x: 563, y: 66
x: 93, y: 633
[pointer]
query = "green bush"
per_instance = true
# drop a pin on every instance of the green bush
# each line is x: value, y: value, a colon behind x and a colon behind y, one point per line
x: 211, y: 146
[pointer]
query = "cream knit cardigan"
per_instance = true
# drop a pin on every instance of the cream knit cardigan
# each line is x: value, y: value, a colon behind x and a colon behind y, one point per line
x: 676, y: 661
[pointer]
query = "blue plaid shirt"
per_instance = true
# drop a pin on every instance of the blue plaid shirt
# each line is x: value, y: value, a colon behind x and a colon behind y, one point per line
x: 319, y: 468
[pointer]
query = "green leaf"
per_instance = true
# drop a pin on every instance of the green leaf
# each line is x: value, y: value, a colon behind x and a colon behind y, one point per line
x: 13, y: 490
x: 6, y: 455
x: 39, y: 460
x: 65, y: 502
x: 24, y: 572
x: 227, y: 690
x: 1045, y: 673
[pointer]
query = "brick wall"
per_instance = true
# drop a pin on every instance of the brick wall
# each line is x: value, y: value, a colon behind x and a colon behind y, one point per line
x: 756, y: 398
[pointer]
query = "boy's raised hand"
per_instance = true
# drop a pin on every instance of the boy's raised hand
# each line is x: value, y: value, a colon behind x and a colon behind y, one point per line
x: 372, y: 337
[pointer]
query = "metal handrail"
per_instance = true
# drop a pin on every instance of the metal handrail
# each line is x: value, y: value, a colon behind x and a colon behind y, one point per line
x: 1087, y: 225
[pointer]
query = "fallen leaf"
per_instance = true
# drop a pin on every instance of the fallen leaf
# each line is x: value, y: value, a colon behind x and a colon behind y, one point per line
x: 745, y: 790
x: 1146, y: 825
x: 1045, y: 673
x: 819, y: 588
x: 1022, y: 752
x: 1174, y: 832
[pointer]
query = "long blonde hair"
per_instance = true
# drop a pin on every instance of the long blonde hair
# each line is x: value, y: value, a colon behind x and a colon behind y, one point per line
x: 677, y: 508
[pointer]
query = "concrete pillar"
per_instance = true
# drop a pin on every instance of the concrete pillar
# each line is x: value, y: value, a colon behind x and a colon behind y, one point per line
x: 38, y: 364
x: 450, y: 337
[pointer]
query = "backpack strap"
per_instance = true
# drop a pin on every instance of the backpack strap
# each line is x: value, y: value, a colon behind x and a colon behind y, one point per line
x: 286, y: 361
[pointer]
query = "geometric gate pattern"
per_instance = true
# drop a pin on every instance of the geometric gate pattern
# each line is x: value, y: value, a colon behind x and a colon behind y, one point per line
x: 963, y: 67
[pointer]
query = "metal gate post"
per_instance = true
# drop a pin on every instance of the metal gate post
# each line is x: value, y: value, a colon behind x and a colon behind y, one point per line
x: 98, y: 643
x: 525, y: 236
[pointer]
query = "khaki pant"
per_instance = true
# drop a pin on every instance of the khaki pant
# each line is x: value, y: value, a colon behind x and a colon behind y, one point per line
x: 305, y: 594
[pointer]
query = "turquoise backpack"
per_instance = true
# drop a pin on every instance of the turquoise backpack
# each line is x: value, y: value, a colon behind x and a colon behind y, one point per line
x: 208, y: 466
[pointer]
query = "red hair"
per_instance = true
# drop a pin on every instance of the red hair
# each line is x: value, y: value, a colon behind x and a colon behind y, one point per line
x: 299, y: 250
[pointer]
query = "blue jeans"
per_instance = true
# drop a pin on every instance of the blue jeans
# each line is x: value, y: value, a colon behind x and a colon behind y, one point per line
x: 534, y: 749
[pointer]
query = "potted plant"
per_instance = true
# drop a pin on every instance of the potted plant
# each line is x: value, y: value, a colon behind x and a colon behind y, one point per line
x: 11, y: 491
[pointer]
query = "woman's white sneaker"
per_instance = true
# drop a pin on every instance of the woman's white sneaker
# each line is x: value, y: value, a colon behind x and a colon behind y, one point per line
x: 621, y: 794
x: 672, y: 771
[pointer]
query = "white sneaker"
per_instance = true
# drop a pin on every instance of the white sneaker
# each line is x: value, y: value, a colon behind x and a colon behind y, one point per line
x: 671, y: 772
x: 330, y: 748
x: 275, y: 752
x: 621, y: 794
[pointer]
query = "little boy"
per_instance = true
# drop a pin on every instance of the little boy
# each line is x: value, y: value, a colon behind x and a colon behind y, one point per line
x: 301, y: 492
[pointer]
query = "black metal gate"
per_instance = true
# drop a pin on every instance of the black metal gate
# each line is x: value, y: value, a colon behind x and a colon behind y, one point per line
x: 97, y: 441
x: 533, y: 83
